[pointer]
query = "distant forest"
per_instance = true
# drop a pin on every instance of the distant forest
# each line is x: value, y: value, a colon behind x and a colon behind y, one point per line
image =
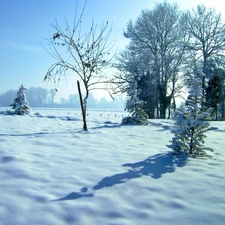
x: 40, y: 97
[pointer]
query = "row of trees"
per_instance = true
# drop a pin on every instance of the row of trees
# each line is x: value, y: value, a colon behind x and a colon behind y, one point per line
x: 41, y: 97
x: 166, y: 47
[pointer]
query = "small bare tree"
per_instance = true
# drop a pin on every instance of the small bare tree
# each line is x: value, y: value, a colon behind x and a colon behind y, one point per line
x: 86, y: 53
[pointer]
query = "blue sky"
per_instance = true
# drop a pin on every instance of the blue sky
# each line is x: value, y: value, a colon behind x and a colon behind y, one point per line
x: 25, y: 23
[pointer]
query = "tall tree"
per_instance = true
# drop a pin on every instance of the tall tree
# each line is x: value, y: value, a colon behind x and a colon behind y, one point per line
x: 207, y: 31
x: 85, y: 53
x: 158, y: 33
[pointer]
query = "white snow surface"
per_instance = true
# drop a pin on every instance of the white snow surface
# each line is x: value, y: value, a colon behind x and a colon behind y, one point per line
x: 53, y: 173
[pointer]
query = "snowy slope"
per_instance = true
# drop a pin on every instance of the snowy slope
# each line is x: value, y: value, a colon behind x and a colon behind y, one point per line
x: 53, y: 173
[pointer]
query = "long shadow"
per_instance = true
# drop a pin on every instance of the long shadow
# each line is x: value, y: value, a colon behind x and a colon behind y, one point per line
x: 154, y: 166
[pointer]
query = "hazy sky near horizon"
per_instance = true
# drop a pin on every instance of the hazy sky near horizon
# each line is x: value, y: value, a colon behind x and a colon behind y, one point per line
x: 24, y: 25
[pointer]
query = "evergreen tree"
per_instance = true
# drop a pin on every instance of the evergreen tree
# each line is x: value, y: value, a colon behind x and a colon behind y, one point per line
x: 214, y: 94
x: 135, y: 106
x: 191, y: 124
x: 148, y: 93
x: 20, y: 104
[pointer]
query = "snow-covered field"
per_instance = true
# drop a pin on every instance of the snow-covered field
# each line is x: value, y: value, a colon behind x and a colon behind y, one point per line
x: 53, y: 173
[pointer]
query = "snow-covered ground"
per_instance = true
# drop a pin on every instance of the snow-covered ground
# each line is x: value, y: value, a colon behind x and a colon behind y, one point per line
x: 53, y: 173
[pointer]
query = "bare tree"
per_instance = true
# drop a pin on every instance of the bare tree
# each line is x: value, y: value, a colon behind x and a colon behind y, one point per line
x: 207, y: 32
x: 85, y: 53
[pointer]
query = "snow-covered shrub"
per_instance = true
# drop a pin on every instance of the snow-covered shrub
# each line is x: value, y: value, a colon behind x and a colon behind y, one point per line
x: 138, y: 115
x: 135, y: 106
x: 191, y: 124
x: 20, y: 104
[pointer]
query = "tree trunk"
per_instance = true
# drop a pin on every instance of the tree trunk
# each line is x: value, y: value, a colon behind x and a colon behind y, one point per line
x: 191, y: 141
x: 83, y: 109
x: 222, y: 110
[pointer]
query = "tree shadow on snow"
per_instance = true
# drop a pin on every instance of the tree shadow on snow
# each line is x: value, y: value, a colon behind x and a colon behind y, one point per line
x: 75, y: 195
x: 154, y: 167
x: 107, y: 124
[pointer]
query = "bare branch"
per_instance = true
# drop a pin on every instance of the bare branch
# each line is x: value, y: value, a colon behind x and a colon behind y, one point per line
x: 86, y: 53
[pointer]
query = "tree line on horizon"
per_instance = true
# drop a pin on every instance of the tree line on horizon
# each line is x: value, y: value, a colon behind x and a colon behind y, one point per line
x: 41, y: 97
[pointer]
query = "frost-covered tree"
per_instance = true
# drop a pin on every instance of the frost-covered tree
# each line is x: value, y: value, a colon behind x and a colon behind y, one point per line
x: 20, y: 104
x: 158, y: 40
x: 191, y: 124
x: 206, y: 29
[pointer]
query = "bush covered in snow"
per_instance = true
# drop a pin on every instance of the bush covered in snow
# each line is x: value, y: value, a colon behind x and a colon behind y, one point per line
x: 135, y: 106
x: 138, y: 117
x: 20, y: 104
x: 191, y: 124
